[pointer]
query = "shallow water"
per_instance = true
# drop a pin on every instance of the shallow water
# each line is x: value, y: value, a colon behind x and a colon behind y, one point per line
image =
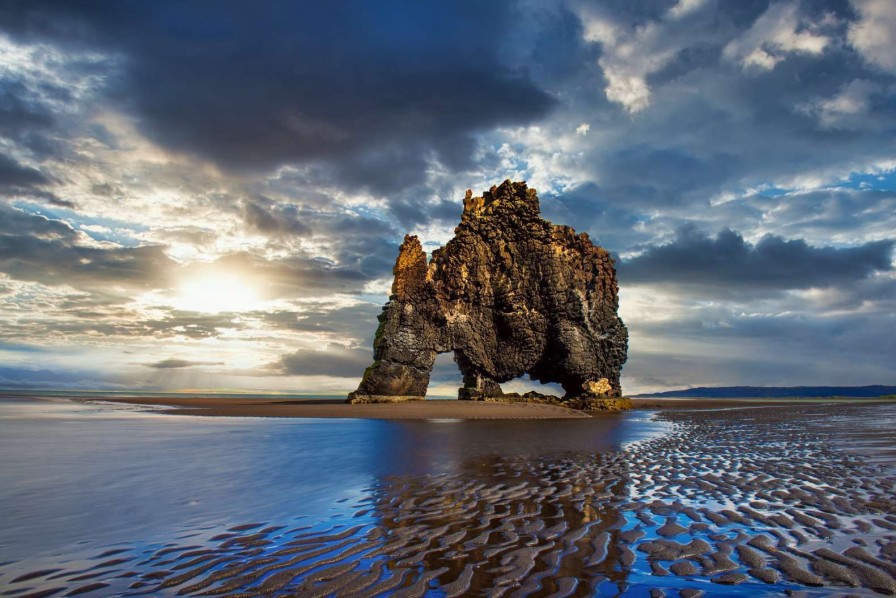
x: 77, y: 475
x: 111, y: 500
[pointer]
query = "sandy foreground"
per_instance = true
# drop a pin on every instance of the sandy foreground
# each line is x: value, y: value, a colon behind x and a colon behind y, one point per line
x: 430, y: 409
x: 772, y: 500
x: 336, y: 408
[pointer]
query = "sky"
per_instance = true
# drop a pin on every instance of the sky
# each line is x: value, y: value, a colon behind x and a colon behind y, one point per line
x: 211, y: 195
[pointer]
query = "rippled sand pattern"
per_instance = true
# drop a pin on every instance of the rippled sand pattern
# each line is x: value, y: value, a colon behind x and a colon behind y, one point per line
x: 735, y: 502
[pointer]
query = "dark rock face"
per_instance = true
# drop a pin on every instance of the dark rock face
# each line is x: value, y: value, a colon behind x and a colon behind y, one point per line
x: 510, y: 294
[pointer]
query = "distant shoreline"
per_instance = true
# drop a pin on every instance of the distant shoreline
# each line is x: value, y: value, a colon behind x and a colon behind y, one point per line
x: 431, y: 409
x: 776, y: 392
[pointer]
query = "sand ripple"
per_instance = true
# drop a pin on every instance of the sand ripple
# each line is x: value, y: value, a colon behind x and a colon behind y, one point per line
x: 757, y: 500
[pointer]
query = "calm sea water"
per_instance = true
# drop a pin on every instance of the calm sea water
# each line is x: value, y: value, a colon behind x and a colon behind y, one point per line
x: 76, y: 477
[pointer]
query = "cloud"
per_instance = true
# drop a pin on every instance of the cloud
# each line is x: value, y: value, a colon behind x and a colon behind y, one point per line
x: 836, y: 215
x: 37, y: 248
x: 21, y: 114
x: 355, y: 321
x: 34, y: 378
x: 778, y: 32
x: 168, y: 364
x: 685, y: 7
x: 338, y: 86
x: 13, y: 174
x: 289, y: 147
x: 773, y: 263
x: 267, y: 217
x: 85, y: 324
x: 848, y: 108
x: 628, y: 57
x: 334, y: 360
x: 872, y: 33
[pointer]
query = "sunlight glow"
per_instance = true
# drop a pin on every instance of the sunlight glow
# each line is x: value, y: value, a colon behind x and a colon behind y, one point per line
x: 216, y: 292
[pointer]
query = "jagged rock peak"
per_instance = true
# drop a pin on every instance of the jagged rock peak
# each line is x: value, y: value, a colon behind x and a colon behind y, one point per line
x: 510, y: 294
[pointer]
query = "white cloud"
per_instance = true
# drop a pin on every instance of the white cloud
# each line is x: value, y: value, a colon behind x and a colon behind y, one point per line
x: 45, y: 69
x: 846, y: 109
x: 779, y: 31
x: 629, y: 90
x: 630, y: 54
x: 685, y: 7
x: 628, y: 57
x: 874, y: 34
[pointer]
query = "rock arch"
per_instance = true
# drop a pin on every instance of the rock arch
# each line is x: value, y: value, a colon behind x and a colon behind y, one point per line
x: 510, y: 294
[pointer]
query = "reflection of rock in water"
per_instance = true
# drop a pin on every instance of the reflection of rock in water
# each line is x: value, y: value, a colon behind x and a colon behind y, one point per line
x: 759, y: 498
x: 511, y: 525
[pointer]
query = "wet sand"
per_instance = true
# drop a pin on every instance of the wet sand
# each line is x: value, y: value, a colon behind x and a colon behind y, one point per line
x: 735, y: 501
x: 337, y: 408
x: 429, y: 409
x: 722, y: 403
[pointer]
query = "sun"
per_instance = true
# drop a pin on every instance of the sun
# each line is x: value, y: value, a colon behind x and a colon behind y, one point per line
x: 216, y: 292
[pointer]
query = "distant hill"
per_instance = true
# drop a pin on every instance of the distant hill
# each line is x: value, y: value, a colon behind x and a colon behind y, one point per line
x: 776, y: 391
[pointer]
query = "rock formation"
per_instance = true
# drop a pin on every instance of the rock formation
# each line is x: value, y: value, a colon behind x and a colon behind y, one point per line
x: 510, y: 294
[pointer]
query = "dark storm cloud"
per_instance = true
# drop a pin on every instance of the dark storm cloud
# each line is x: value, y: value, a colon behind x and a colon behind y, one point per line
x: 773, y: 263
x: 372, y: 257
x: 170, y: 364
x: 29, y: 111
x: 411, y: 209
x: 19, y: 112
x: 364, y: 245
x: 587, y: 207
x: 372, y: 89
x: 357, y: 321
x: 266, y: 216
x: 13, y: 174
x: 36, y: 248
x: 333, y: 361
x: 799, y: 340
x: 25, y: 116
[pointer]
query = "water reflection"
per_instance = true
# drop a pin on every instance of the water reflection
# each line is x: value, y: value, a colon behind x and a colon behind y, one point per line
x: 97, y: 473
x: 757, y: 501
x: 508, y: 522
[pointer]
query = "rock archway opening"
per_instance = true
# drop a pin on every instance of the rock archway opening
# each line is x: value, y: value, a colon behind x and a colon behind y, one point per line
x: 445, y: 379
x: 523, y: 384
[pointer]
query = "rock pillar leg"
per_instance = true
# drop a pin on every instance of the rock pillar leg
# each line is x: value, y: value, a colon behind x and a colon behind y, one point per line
x: 391, y: 382
x: 478, y: 387
x: 405, y: 342
x: 601, y: 394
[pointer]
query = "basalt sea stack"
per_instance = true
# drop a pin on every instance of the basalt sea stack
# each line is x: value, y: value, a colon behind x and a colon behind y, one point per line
x: 510, y: 294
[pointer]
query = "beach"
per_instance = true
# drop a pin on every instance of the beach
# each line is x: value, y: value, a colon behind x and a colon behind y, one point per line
x: 749, y: 498
x: 224, y: 406
x: 338, y: 408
